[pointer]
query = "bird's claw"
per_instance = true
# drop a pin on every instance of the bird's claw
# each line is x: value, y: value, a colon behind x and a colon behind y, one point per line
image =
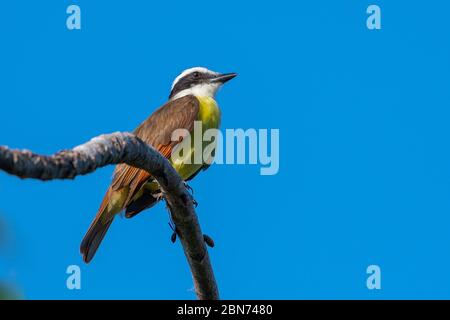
x: 189, y: 188
x: 191, y: 193
x: 158, y: 196
x: 172, y: 226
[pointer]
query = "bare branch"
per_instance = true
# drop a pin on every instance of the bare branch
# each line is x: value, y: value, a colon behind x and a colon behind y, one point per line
x: 126, y: 148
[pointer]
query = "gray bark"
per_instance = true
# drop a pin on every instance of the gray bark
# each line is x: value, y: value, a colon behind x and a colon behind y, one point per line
x: 126, y: 148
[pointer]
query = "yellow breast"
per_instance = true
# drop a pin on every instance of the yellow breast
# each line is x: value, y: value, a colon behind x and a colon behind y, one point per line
x: 209, y: 115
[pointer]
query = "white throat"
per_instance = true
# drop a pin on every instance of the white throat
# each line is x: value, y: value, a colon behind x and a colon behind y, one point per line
x: 200, y: 90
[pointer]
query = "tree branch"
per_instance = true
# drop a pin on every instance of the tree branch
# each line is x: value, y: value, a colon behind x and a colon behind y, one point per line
x: 126, y: 148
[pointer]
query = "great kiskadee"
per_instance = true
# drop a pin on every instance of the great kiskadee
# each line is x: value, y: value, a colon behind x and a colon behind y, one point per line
x: 192, y: 98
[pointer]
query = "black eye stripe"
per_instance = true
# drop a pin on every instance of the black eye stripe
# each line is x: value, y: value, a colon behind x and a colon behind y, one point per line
x: 185, y: 83
x: 189, y: 80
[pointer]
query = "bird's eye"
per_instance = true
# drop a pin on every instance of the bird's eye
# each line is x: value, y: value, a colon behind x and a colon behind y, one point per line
x: 196, y: 74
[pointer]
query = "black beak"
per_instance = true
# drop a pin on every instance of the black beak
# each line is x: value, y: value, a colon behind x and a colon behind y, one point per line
x: 224, y: 77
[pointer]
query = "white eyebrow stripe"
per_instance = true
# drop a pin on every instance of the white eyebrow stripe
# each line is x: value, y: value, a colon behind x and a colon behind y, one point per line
x: 191, y: 70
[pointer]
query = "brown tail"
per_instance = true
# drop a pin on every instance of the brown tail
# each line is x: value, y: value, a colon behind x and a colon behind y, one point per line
x: 93, y: 238
x: 97, y: 230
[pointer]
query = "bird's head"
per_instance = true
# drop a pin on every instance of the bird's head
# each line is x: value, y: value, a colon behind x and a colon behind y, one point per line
x: 199, y: 81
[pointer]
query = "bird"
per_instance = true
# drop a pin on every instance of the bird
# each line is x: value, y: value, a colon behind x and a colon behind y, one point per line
x: 132, y: 190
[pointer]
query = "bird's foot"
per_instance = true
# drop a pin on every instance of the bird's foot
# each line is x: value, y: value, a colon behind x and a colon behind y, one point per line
x: 188, y: 187
x: 158, y: 196
x: 191, y: 192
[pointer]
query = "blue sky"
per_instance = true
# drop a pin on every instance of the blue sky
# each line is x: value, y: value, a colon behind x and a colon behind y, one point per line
x: 364, y: 160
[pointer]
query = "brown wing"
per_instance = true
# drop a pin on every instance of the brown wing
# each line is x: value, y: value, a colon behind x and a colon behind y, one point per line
x: 157, y: 131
